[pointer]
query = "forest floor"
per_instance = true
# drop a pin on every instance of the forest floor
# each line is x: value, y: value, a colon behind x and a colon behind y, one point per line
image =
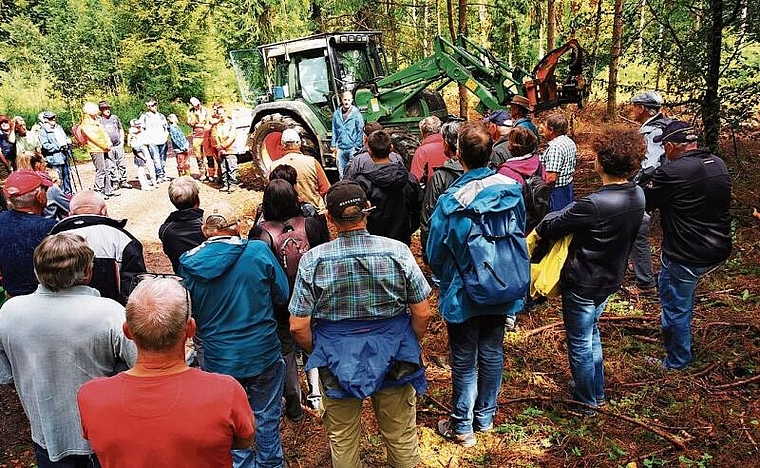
x: 707, y: 415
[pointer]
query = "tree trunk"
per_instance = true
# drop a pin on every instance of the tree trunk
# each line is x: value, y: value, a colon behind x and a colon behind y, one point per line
x: 550, y: 25
x: 450, y: 11
x: 642, y: 23
x: 462, y: 30
x: 597, y: 27
x: 711, y: 108
x: 617, y: 36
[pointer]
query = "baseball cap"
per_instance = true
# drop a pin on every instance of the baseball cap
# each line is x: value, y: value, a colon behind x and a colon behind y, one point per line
x: 290, y: 135
x: 521, y: 101
x: 194, y: 101
x: 220, y: 211
x: 47, y: 115
x: 345, y: 194
x: 499, y: 117
x: 677, y: 132
x: 104, y: 105
x: 24, y: 181
x: 648, y: 99
x: 4, y: 118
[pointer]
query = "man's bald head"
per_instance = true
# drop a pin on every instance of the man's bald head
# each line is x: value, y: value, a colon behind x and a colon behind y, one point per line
x: 87, y: 202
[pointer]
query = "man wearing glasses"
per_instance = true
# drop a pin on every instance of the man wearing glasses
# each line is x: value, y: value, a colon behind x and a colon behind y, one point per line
x: 166, y: 391
x: 234, y: 285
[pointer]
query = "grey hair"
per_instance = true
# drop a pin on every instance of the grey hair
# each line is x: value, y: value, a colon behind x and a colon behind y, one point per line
x: 26, y: 200
x: 157, y: 312
x: 61, y: 261
x: 430, y: 125
x: 183, y: 193
x: 450, y: 133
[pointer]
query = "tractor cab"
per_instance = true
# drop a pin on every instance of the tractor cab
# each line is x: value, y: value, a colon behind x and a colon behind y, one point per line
x: 318, y: 68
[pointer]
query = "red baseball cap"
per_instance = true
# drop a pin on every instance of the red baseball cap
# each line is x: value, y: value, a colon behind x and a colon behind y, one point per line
x: 24, y: 181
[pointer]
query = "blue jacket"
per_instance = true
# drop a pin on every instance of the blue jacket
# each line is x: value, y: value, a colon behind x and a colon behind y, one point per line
x: 448, y: 235
x: 365, y: 356
x: 233, y: 284
x: 179, y: 141
x: 54, y: 153
x: 347, y: 134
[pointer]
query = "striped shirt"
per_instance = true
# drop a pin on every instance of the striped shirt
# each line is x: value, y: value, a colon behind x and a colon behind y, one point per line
x: 560, y: 157
x: 357, y: 276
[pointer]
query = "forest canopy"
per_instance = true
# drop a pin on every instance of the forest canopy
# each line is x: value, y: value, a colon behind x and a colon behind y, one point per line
x: 57, y: 53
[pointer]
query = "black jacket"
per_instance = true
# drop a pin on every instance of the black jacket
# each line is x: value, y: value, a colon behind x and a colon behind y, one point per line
x: 118, y: 254
x: 441, y: 180
x: 181, y: 232
x: 397, y: 196
x: 604, y: 225
x: 500, y: 152
x: 693, y: 194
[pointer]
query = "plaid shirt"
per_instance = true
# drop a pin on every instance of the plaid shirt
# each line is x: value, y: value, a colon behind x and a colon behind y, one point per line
x: 560, y: 157
x: 357, y: 276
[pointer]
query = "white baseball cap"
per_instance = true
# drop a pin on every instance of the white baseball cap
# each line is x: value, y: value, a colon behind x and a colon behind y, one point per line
x: 290, y: 135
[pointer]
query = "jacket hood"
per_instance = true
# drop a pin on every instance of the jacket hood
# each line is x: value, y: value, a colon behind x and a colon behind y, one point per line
x: 187, y: 214
x: 388, y: 176
x: 526, y: 165
x: 213, y: 258
x: 481, y: 191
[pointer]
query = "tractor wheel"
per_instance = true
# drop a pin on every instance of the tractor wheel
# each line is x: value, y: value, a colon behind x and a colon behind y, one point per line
x: 435, y: 103
x: 265, y: 141
x: 404, y: 143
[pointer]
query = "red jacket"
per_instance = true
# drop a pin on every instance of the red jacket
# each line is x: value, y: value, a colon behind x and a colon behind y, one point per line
x: 428, y: 157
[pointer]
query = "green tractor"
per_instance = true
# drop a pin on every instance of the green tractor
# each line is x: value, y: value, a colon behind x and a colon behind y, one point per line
x: 303, y: 79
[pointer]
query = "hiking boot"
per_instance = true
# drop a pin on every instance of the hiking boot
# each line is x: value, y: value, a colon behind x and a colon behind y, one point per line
x: 224, y: 189
x: 465, y: 440
x: 648, y: 292
x: 233, y: 188
x: 488, y: 428
x: 125, y: 184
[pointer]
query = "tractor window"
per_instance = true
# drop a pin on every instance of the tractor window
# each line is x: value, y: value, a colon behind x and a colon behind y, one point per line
x: 314, y: 80
x: 354, y: 67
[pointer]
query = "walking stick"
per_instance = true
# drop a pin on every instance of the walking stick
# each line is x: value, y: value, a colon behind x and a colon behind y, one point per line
x: 70, y: 157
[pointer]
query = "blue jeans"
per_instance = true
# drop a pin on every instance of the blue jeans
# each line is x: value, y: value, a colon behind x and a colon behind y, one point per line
x: 584, y: 346
x: 265, y: 397
x: 162, y: 150
x: 677, y: 285
x: 344, y: 157
x: 72, y: 461
x: 64, y: 175
x: 155, y: 155
x: 477, y: 364
x: 560, y: 197
x: 641, y: 255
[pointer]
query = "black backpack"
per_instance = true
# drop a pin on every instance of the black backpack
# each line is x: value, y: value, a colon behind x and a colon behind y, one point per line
x: 536, y: 194
x: 289, y: 243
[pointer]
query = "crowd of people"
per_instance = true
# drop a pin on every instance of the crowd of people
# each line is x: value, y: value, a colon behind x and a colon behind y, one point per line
x: 97, y: 347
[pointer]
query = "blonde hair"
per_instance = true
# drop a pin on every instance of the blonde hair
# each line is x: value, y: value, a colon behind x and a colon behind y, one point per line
x: 61, y: 261
x: 157, y: 311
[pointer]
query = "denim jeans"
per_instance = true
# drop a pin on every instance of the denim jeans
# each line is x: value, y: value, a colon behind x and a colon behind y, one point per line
x: 677, y: 285
x: 641, y: 255
x: 584, y: 346
x: 265, y: 397
x: 64, y: 175
x: 344, y: 157
x: 477, y: 364
x: 155, y: 155
x: 162, y: 152
x: 72, y: 461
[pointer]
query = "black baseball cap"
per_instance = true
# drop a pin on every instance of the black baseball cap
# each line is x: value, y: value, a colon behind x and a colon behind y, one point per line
x: 343, y: 195
x: 677, y: 132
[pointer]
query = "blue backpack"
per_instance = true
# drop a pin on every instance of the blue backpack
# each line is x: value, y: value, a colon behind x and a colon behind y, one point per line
x: 500, y: 268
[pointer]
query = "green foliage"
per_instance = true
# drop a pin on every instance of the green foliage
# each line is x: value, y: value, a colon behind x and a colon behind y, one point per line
x: 703, y: 462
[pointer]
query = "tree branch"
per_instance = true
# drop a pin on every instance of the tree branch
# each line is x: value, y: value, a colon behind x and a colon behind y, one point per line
x: 667, y: 25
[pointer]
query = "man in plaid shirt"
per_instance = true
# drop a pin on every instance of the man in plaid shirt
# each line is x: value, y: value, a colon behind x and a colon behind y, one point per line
x: 559, y: 162
x: 368, y: 299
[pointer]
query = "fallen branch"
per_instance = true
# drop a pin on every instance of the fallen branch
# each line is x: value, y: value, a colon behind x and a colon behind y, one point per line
x: 647, y: 339
x: 713, y: 293
x: 736, y: 384
x: 733, y: 324
x: 443, y: 406
x: 612, y: 318
x: 746, y: 432
x: 674, y: 440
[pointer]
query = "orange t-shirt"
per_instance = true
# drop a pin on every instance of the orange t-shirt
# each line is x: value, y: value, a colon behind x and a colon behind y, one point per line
x: 185, y: 419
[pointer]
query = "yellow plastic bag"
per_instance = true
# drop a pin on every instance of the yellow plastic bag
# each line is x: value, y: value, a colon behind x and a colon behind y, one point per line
x: 544, y: 275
